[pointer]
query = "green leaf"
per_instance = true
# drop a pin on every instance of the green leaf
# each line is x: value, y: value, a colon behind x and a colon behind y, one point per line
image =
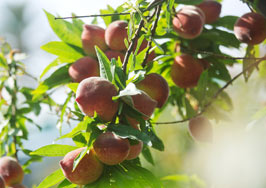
x: 73, y: 86
x: 188, y: 2
x: 78, y: 158
x: 227, y: 21
x: 105, y: 66
x: 63, y: 50
x: 52, y: 179
x: 54, y: 150
x: 126, y: 131
x: 66, y: 31
x: 147, y: 154
x: 251, y: 52
x: 63, y: 110
x: 128, y: 91
x: 157, y: 143
x: 59, y: 77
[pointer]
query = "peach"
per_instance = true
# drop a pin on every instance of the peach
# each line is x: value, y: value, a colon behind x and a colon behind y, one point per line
x: 189, y: 22
x: 200, y: 129
x: 250, y: 28
x: 111, y: 149
x: 115, y: 35
x: 95, y: 94
x: 211, y: 9
x: 156, y: 87
x: 83, y: 68
x: 135, y: 150
x: 144, y: 104
x: 88, y: 170
x: 205, y: 64
x: 11, y: 171
x: 114, y: 54
x: 93, y: 35
x: 186, y: 71
x: 2, y: 182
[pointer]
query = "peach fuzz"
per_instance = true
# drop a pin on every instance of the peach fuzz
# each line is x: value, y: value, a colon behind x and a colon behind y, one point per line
x: 93, y: 35
x: 95, y: 94
x: 88, y: 170
x: 211, y: 9
x: 83, y: 68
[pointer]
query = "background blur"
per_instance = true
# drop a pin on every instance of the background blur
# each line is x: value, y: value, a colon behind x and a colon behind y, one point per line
x: 235, y: 159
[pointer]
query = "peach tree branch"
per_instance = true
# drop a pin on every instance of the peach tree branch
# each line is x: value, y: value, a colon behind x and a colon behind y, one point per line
x: 255, y: 64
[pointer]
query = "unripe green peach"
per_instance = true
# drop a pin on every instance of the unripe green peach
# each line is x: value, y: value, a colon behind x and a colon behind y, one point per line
x: 2, y: 182
x: 156, y: 87
x: 186, y: 71
x: 189, y: 22
x: 211, y: 9
x: 88, y: 170
x: 11, y: 171
x: 83, y: 68
x: 114, y: 54
x: 93, y: 35
x: 95, y: 94
x: 115, y: 35
x: 111, y: 149
x: 201, y: 129
x: 250, y: 28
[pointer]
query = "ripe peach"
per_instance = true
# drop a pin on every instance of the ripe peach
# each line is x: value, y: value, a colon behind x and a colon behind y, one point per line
x: 2, y: 182
x: 186, y: 71
x: 156, y: 87
x: 88, y: 170
x: 83, y: 68
x: 115, y: 35
x: 144, y: 104
x: 200, y: 129
x: 205, y: 64
x: 114, y: 54
x: 250, y: 28
x: 93, y: 35
x: 189, y: 21
x: 95, y: 94
x: 17, y: 186
x: 135, y: 150
x: 111, y: 149
x: 11, y: 171
x: 211, y: 9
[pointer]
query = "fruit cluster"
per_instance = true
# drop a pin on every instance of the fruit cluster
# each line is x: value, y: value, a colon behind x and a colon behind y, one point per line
x: 111, y: 41
x: 95, y: 94
x: 11, y: 173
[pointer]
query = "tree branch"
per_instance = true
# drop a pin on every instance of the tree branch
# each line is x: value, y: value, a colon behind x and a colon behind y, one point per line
x: 216, y: 94
x: 153, y: 29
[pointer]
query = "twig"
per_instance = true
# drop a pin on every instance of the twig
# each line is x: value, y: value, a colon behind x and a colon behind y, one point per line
x: 216, y: 94
x: 220, y: 56
x: 131, y: 45
x: 153, y: 29
x: 92, y: 15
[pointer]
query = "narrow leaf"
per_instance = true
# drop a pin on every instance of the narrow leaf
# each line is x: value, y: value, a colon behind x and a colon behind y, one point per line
x: 52, y: 179
x: 53, y: 150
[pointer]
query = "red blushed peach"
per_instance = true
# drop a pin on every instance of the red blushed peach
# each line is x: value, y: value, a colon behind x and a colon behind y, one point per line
x: 95, y: 94
x: 111, y: 149
x: 186, y: 71
x: 83, y: 68
x: 2, y: 182
x: 11, y: 171
x: 88, y: 170
x: 144, y: 104
x: 189, y: 22
x: 156, y: 87
x: 250, y: 28
x: 115, y: 35
x: 135, y: 150
x: 114, y: 54
x: 211, y: 9
x: 93, y: 35
x: 201, y: 129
